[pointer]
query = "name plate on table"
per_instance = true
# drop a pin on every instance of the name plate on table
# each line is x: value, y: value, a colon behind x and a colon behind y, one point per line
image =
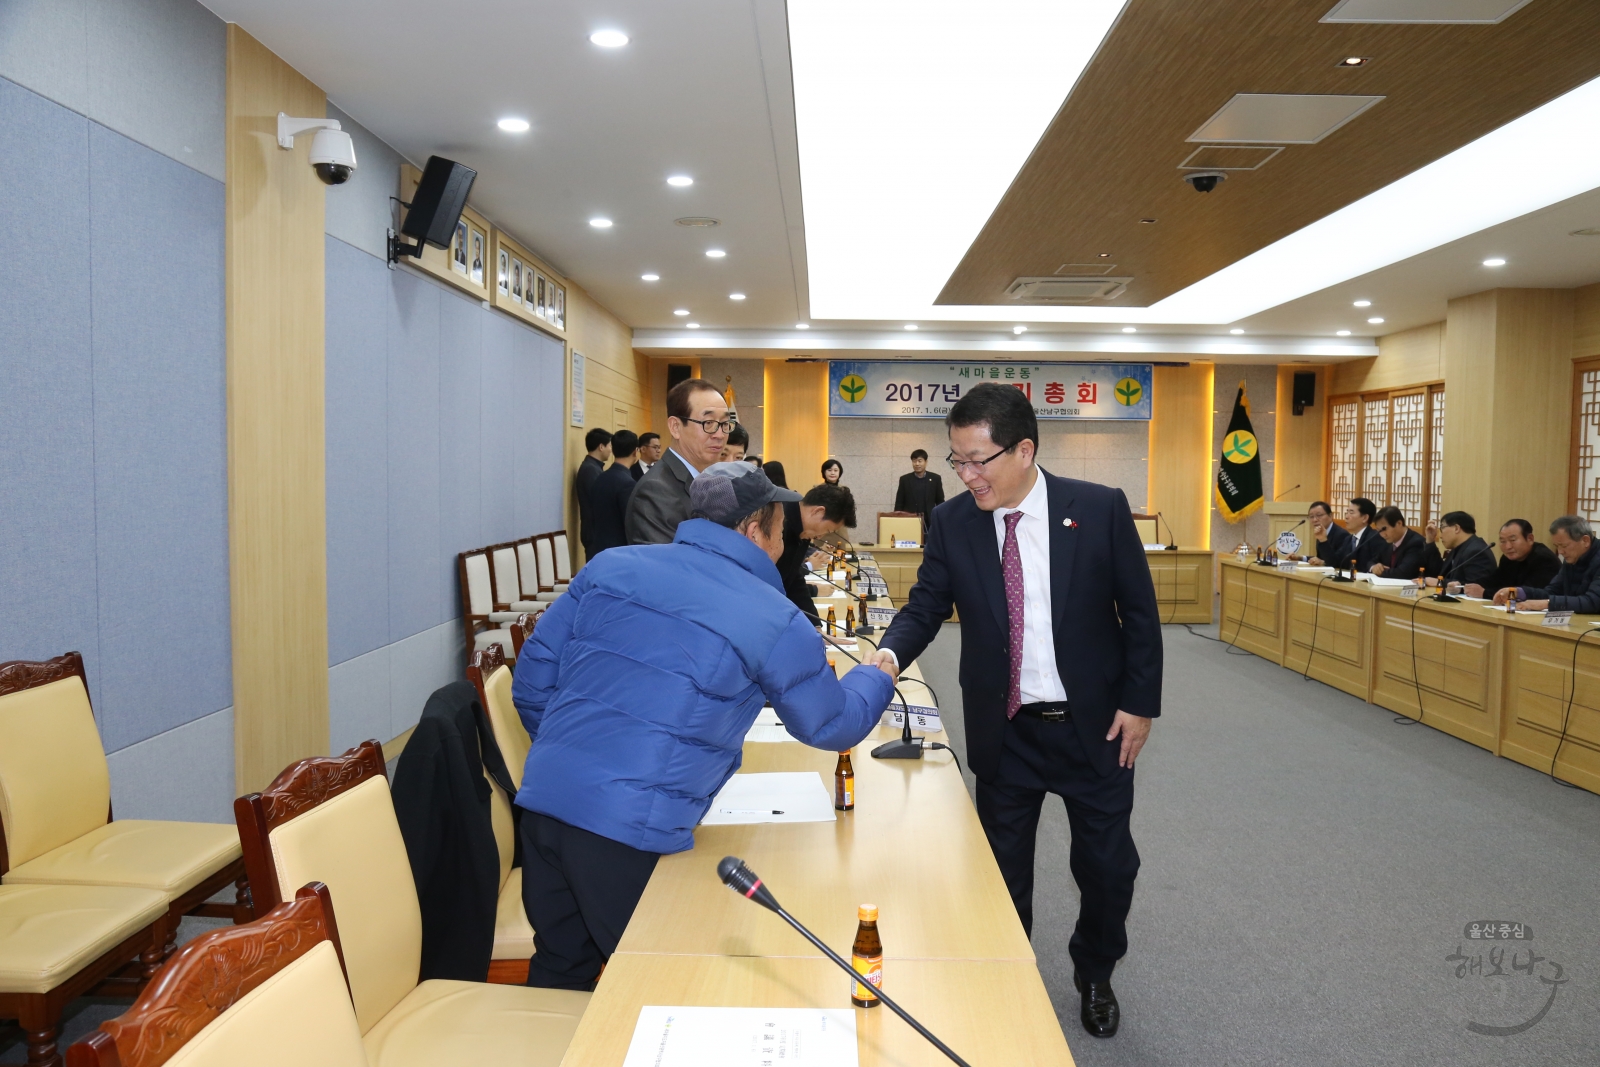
x: 872, y: 587
x: 1556, y: 618
x: 880, y: 616
x: 1410, y: 592
x: 900, y: 542
x: 922, y: 717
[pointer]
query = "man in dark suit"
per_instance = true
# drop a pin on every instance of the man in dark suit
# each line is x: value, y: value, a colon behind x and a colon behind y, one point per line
x: 610, y: 493
x: 1060, y: 664
x: 1334, y: 546
x: 1401, y: 553
x: 597, y: 443
x: 1467, y: 558
x: 823, y: 511
x: 920, y: 491
x: 699, y: 424
x: 1359, y: 515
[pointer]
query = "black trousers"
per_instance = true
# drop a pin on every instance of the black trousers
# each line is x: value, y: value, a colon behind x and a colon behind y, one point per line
x: 1048, y: 757
x: 580, y: 890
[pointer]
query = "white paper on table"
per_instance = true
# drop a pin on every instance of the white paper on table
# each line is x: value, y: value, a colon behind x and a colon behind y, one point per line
x: 1379, y: 580
x: 773, y: 796
x: 767, y: 728
x: 742, y: 1037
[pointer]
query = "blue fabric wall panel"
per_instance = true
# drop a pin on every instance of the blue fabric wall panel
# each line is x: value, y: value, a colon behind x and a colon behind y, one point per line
x: 416, y: 591
x: 526, y: 382
x: 461, y: 327
x: 47, y: 560
x: 498, y: 469
x: 161, y: 485
x: 357, y: 363
x: 547, y: 439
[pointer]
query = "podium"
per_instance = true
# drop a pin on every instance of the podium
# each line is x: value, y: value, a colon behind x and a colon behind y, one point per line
x: 1285, y: 515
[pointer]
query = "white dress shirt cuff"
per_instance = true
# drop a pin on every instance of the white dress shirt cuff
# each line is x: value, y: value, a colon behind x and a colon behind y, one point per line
x: 892, y: 656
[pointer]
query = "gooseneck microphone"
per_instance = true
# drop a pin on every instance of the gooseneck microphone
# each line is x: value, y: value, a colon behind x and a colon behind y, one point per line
x: 1443, y: 596
x: 862, y: 625
x: 742, y: 880
x: 1172, y: 541
x: 908, y: 747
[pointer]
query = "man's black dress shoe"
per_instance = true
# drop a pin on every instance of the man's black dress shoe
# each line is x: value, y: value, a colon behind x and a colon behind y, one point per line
x: 1101, y: 1013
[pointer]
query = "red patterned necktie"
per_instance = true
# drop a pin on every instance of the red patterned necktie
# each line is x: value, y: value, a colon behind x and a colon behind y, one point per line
x: 1011, y: 571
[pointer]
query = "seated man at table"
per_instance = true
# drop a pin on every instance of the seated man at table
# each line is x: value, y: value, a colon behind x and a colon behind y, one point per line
x: 1523, y: 561
x: 1399, y: 554
x: 1576, y: 586
x: 1358, y: 517
x: 1334, y: 546
x: 1468, y: 559
x: 631, y: 740
x: 824, y: 510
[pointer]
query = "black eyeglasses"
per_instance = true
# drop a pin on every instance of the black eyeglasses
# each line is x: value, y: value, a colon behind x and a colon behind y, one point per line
x: 711, y: 426
x: 975, y: 464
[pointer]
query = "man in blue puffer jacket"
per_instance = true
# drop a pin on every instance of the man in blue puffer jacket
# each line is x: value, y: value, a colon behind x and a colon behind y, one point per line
x: 632, y: 740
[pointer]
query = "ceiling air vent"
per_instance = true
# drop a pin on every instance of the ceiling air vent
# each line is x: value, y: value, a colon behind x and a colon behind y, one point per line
x: 1066, y: 289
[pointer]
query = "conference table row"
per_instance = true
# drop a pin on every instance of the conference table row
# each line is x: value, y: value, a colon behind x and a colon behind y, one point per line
x: 1506, y: 683
x: 955, y: 955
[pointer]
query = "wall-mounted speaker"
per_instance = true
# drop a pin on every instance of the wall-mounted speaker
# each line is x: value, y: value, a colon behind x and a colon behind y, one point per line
x: 437, y: 204
x: 1305, y: 391
x: 678, y: 372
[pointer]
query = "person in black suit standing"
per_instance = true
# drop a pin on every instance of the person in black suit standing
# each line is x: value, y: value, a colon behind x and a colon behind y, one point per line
x: 597, y: 443
x: 920, y: 491
x: 1060, y: 664
x: 609, y: 495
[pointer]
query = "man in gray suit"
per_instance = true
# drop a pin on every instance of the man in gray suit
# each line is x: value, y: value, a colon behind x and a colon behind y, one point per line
x: 698, y: 422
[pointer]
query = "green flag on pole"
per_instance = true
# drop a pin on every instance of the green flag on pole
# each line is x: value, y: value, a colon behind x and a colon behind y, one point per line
x: 1239, y: 476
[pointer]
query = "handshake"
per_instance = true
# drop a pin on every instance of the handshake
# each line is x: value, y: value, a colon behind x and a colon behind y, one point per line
x: 884, y: 660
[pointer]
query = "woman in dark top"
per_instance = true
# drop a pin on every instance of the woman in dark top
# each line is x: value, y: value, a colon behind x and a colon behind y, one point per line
x: 832, y: 471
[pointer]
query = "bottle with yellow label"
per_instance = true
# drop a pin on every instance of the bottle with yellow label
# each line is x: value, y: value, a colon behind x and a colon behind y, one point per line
x: 844, y: 783
x: 833, y: 623
x: 866, y: 956
x: 850, y: 620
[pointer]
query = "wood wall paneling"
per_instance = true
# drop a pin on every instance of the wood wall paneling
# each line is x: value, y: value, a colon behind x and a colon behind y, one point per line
x: 1586, y: 322
x: 276, y: 467
x: 1180, y: 451
x: 795, y: 415
x: 1300, y: 441
x: 1409, y: 357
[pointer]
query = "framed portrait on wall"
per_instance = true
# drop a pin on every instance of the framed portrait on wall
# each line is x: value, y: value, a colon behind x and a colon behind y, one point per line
x: 528, y: 291
x: 560, y: 319
x: 503, y: 273
x: 516, y: 281
x: 458, y: 249
x: 479, y: 244
x: 539, y: 304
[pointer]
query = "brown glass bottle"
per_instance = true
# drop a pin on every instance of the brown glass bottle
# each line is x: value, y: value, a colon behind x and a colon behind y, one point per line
x: 833, y: 623
x: 866, y: 956
x: 844, y: 783
x: 850, y: 620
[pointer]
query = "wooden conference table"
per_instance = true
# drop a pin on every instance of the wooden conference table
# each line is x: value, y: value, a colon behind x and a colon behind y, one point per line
x: 1501, y: 682
x: 955, y: 955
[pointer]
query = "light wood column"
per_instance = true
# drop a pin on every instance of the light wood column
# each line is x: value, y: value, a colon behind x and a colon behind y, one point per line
x: 1180, y: 452
x: 276, y: 466
x: 1508, y: 373
x: 794, y: 428
x: 1300, y: 442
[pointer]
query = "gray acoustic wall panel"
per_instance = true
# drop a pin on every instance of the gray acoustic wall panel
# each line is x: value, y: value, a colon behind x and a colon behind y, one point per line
x: 154, y: 71
x: 359, y: 212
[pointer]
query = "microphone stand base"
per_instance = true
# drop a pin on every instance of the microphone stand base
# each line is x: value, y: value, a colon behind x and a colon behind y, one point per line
x: 899, y: 749
x: 1169, y: 548
x: 1342, y: 578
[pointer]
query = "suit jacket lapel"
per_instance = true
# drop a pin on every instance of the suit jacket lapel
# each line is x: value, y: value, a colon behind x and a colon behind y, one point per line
x: 1063, y: 544
x: 987, y: 553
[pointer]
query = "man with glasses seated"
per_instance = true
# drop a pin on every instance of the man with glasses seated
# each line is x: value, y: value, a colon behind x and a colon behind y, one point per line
x: 1467, y: 559
x: 699, y: 424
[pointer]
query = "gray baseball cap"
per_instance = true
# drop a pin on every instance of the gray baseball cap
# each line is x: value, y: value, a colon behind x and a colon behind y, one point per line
x: 727, y: 492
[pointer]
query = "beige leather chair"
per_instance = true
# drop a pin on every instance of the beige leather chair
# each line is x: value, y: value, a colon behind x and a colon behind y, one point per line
x: 55, y: 805
x: 509, y: 594
x: 544, y: 552
x: 563, y: 559
x: 513, y: 933
x: 528, y: 574
x: 898, y: 526
x: 58, y: 942
x: 331, y: 820
x: 271, y: 993
x: 1149, y: 529
x: 485, y: 625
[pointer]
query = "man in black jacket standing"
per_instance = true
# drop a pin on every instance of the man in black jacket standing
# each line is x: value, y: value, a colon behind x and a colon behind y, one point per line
x: 1060, y: 665
x: 1400, y: 553
x: 1523, y: 561
x: 610, y: 493
x: 823, y: 511
x: 597, y: 443
x: 919, y: 492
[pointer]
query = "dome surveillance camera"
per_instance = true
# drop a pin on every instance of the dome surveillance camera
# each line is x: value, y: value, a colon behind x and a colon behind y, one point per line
x: 1205, y: 180
x: 333, y: 156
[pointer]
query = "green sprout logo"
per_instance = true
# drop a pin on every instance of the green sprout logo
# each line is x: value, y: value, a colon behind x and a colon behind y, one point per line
x: 853, y: 388
x: 1128, y: 392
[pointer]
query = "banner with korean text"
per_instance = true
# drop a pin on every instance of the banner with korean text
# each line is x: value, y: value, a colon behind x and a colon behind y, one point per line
x: 917, y: 389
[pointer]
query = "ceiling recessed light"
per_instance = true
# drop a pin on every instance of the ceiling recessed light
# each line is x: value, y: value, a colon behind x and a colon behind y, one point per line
x: 1344, y: 333
x: 910, y: 326
x: 715, y: 253
x: 1355, y: 61
x: 513, y: 125
x: 608, y: 38
x: 692, y: 325
x: 697, y: 220
x: 1363, y: 303
x: 735, y: 296
x: 1129, y: 329
x: 1589, y: 232
x: 650, y: 277
x: 1495, y: 262
x: 1147, y: 222
x: 802, y: 326
x: 600, y: 223
x: 1236, y: 332
x: 1019, y: 330
x: 681, y: 311
x: 1105, y: 255
x: 1376, y: 320
x: 681, y: 181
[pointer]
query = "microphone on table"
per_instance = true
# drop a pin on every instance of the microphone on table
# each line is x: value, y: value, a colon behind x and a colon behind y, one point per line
x: 862, y: 625
x: 1172, y: 541
x: 1443, y: 596
x: 908, y: 747
x: 742, y: 880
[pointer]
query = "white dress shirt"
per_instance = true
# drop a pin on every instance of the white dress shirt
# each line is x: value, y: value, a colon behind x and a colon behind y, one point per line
x: 693, y: 471
x: 1041, y: 680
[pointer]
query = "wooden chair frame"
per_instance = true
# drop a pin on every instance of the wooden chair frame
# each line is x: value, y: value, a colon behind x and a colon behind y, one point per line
x: 208, y: 976
x: 18, y: 675
x: 485, y: 661
x: 521, y: 630
x: 300, y: 787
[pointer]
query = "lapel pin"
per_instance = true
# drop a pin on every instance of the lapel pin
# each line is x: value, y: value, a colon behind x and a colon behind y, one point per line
x: 1069, y: 524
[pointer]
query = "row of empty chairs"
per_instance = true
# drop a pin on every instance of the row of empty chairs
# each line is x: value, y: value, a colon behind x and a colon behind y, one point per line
x: 324, y: 831
x: 500, y: 582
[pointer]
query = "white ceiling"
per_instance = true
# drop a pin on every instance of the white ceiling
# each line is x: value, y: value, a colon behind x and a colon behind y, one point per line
x: 704, y: 88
